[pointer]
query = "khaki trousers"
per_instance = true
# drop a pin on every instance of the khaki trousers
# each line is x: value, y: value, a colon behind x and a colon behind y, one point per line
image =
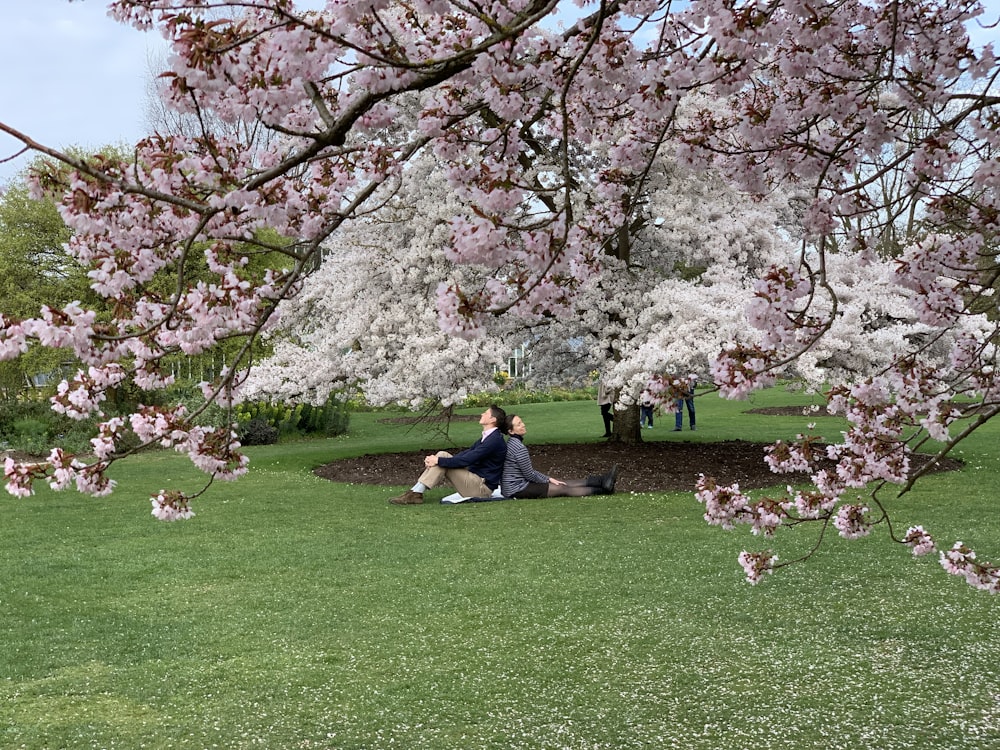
x: 464, y: 481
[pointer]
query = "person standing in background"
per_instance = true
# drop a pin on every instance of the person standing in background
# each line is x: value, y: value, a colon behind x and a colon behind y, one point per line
x: 646, y: 407
x: 606, y: 399
x: 686, y: 399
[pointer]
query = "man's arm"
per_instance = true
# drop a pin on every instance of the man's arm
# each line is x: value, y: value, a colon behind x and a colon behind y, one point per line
x: 475, y: 453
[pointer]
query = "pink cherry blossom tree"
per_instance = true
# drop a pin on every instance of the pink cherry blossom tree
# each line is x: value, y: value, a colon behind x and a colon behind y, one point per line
x: 549, y: 141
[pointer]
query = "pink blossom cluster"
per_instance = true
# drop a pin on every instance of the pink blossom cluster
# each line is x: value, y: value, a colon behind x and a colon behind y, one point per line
x: 108, y: 433
x: 961, y: 561
x: 60, y: 470
x: 727, y: 506
x: 756, y: 564
x: 160, y: 424
x: 743, y: 368
x: 787, y: 458
x: 20, y: 476
x: 13, y: 342
x: 64, y: 469
x: 170, y: 505
x: 944, y: 271
x: 811, y: 504
x: 82, y: 397
x: 724, y: 506
x: 767, y: 515
x: 919, y: 541
x: 69, y: 328
x: 853, y: 521
x: 778, y: 295
x: 213, y: 450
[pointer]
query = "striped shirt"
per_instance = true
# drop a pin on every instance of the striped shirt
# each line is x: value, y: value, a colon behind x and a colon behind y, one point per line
x: 517, y: 469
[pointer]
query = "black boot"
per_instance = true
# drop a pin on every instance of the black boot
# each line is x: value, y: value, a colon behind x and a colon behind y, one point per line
x: 608, y: 481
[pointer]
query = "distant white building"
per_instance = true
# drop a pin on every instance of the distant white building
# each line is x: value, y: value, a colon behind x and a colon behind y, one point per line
x: 518, y: 364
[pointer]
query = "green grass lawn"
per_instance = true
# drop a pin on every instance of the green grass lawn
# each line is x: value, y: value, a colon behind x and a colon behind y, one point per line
x: 296, y: 613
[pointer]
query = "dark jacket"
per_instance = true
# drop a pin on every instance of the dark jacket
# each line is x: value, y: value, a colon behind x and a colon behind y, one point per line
x: 484, y: 458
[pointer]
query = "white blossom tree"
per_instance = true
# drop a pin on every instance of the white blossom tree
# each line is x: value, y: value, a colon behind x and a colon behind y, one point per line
x: 777, y: 94
x: 366, y: 318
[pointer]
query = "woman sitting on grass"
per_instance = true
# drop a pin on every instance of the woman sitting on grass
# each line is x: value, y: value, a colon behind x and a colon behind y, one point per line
x: 520, y: 479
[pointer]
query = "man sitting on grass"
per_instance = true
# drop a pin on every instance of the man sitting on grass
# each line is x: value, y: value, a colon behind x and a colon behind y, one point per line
x: 474, y: 472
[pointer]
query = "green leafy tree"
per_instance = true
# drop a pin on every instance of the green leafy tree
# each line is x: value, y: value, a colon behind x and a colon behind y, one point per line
x: 34, y: 271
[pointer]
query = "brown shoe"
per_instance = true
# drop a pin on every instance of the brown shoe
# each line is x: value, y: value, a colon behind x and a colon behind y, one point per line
x: 408, y: 498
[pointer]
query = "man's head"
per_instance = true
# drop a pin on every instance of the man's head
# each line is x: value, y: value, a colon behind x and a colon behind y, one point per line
x: 494, y: 416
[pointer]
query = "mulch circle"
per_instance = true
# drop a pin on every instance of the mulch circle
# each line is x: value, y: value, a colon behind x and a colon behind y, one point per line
x: 661, y: 466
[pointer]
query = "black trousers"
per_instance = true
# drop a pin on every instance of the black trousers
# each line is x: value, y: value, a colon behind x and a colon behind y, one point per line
x: 608, y: 416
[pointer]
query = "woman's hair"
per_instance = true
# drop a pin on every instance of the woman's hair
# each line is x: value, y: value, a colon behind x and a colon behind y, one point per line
x: 508, y: 423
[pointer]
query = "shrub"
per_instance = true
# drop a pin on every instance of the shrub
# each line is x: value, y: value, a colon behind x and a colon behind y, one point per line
x: 30, y: 426
x: 519, y: 394
x: 30, y: 435
x: 335, y: 417
x: 332, y: 418
x: 258, y: 431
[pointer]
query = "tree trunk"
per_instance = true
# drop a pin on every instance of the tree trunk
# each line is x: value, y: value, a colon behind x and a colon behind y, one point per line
x: 626, y: 428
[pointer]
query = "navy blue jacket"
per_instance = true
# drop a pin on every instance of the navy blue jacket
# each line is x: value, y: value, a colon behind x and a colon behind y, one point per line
x: 484, y: 458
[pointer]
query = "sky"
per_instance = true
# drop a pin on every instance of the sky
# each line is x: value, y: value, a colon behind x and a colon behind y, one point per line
x: 71, y: 76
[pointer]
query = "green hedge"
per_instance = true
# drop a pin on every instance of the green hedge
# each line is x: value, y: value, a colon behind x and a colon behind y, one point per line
x: 332, y: 418
x: 521, y: 395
